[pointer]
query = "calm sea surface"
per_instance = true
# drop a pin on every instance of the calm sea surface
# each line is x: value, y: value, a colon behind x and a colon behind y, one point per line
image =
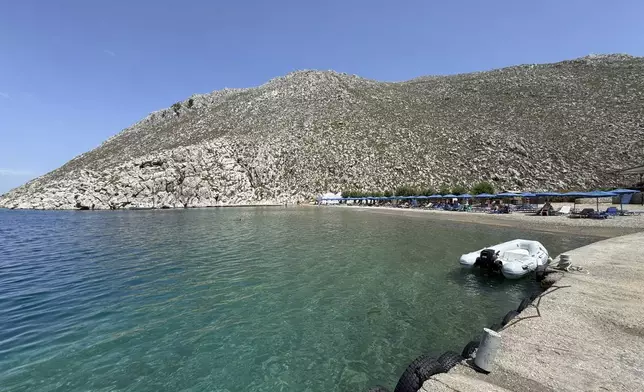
x: 248, y: 299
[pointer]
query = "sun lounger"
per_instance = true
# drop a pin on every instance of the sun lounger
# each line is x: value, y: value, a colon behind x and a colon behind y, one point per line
x: 564, y: 210
x: 585, y: 213
x: 526, y: 208
x: 546, y: 210
x: 502, y: 210
x: 612, y: 211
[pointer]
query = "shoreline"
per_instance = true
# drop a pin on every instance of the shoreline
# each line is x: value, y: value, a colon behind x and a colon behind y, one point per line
x: 607, y: 228
x: 147, y: 208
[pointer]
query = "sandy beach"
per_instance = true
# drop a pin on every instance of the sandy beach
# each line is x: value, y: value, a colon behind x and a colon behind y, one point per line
x: 607, y: 228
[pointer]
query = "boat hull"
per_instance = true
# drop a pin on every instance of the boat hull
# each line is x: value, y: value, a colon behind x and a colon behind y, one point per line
x: 515, y: 258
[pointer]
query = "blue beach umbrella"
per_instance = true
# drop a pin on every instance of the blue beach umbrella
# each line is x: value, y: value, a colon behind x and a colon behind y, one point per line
x: 465, y: 196
x: 548, y: 194
x: 621, y: 193
x: 506, y: 194
x: 484, y: 196
x: 450, y: 196
x: 598, y: 194
x: 435, y: 196
x: 528, y: 195
x: 575, y: 195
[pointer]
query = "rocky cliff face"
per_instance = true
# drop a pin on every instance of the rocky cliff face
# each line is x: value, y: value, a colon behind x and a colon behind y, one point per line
x: 556, y: 126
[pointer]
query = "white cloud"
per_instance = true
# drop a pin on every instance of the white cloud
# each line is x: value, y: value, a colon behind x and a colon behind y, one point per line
x: 109, y: 52
x: 13, y: 172
x: 4, y: 95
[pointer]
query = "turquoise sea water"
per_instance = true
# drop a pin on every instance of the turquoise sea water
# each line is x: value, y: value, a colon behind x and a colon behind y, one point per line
x: 248, y: 299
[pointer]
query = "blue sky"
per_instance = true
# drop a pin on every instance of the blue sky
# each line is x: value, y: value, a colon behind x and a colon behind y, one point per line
x: 73, y: 73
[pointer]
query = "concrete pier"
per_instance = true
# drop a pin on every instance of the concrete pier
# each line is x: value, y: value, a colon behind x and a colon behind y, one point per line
x: 586, y: 333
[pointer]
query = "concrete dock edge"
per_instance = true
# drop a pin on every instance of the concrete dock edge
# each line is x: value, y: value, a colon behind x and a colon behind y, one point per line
x: 585, y: 333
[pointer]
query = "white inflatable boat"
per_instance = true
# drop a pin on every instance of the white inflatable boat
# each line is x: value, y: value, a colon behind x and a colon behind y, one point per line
x: 514, y: 259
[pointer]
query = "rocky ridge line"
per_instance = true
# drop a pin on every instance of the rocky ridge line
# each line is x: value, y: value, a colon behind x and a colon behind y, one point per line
x: 551, y: 126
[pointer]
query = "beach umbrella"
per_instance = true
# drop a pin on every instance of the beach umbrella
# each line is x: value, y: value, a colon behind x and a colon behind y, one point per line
x: 528, y: 195
x: 435, y: 196
x: 598, y: 194
x: 449, y: 196
x: 621, y: 193
x: 548, y: 194
x: 575, y: 195
x: 506, y: 194
x: 484, y: 196
x: 465, y: 196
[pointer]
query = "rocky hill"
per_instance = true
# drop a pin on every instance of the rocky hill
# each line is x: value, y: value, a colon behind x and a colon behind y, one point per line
x: 554, y: 126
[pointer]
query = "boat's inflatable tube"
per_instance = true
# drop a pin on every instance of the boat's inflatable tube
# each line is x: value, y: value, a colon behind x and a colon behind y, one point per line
x: 514, y: 259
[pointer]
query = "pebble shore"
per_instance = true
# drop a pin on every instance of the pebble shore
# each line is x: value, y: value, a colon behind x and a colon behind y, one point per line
x: 612, y: 227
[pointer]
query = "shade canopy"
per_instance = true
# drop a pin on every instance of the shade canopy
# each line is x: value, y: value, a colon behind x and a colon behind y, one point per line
x: 435, y: 196
x: 575, y: 194
x: 528, y: 194
x: 600, y: 194
x: 507, y: 194
x: 548, y: 194
x: 623, y: 191
x: 484, y: 196
x: 465, y: 196
x: 449, y: 196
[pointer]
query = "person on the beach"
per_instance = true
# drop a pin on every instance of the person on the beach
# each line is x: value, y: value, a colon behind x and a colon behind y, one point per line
x: 546, y: 210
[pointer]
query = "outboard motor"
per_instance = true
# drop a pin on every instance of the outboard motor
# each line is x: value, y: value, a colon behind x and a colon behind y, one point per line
x: 488, y: 260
